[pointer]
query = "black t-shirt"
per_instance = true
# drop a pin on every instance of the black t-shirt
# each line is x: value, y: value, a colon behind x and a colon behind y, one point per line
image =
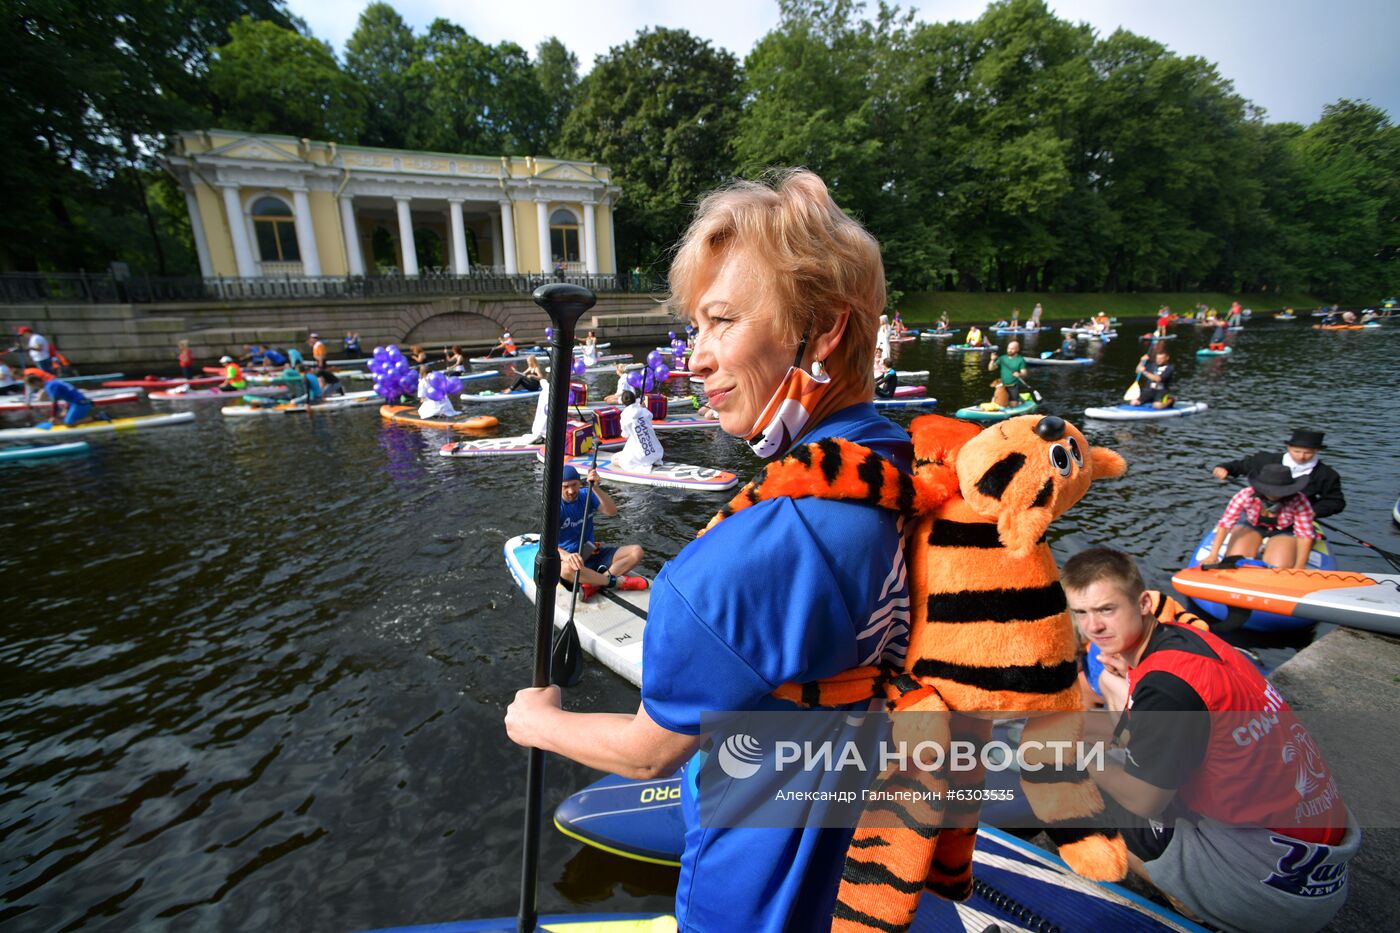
x: 1166, y: 371
x: 1167, y: 746
x: 886, y: 384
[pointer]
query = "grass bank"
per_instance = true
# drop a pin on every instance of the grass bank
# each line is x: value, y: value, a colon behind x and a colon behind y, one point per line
x: 986, y: 307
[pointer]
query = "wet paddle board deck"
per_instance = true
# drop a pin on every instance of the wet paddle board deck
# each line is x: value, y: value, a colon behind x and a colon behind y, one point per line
x: 407, y: 414
x: 664, y: 474
x: 1368, y: 601
x: 97, y: 397
x: 609, y: 625
x: 1144, y: 412
x: 493, y: 398
x: 45, y: 450
x: 152, y: 382
x: 1319, y: 558
x: 1207, y: 351
x: 506, y: 447
x: 964, y: 348
x: 1053, y: 361
x: 137, y: 423
x: 938, y: 334
x: 1155, y: 337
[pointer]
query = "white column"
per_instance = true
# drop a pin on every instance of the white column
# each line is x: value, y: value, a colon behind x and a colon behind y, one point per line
x: 306, y: 233
x: 354, y: 261
x: 590, y: 240
x: 238, y: 229
x: 612, y: 237
x: 508, y: 236
x: 542, y: 227
x: 461, y: 263
x: 201, y: 242
x: 406, y: 244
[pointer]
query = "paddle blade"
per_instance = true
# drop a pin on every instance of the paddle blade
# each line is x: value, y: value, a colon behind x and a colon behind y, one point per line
x: 566, y: 657
x: 1134, y: 392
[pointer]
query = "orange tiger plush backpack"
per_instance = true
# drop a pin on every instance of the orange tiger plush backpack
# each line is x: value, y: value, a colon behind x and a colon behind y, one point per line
x: 989, y: 632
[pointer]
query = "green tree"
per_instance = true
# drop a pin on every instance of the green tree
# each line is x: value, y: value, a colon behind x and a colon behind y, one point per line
x: 380, y: 55
x: 556, y: 69
x: 91, y: 90
x: 660, y: 111
x: 269, y: 79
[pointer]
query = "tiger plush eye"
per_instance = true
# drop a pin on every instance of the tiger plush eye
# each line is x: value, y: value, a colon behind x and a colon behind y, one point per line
x: 1074, y: 452
x: 1059, y: 459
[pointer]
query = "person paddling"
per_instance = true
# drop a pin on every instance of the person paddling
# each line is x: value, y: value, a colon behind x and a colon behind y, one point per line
x: 1011, y: 370
x: 886, y: 379
x: 595, y: 568
x: 1300, y: 455
x: 76, y: 405
x: 1155, y: 374
x: 234, y: 380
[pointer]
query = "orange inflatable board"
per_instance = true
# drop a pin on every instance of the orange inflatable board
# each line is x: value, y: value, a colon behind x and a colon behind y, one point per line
x: 407, y: 414
x: 1368, y: 601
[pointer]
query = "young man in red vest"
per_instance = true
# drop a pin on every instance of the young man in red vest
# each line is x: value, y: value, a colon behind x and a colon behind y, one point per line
x: 1242, y: 823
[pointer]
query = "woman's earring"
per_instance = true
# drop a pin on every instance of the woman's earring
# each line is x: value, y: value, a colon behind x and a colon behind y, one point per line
x: 817, y: 368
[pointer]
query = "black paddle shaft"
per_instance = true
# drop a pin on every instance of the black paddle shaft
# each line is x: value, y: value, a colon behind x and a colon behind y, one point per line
x: 564, y: 304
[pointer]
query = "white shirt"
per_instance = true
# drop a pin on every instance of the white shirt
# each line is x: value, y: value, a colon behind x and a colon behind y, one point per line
x: 432, y: 409
x: 623, y: 386
x: 642, y: 448
x: 38, y: 348
x: 541, y: 424
x: 1298, y: 469
x: 7, y: 376
x: 882, y: 340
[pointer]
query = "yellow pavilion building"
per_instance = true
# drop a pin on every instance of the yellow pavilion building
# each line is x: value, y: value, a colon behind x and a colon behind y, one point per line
x: 263, y: 205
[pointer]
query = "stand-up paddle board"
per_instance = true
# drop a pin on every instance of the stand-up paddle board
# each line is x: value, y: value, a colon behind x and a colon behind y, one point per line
x: 1144, y: 412
x: 153, y: 382
x: 1256, y: 620
x: 1016, y: 885
x: 906, y: 402
x: 207, y: 395
x: 1056, y: 361
x: 494, y: 398
x: 1018, y: 331
x: 97, y: 397
x: 99, y: 427
x: 964, y: 348
x: 938, y: 334
x: 1368, y: 601
x: 910, y: 391
x: 100, y: 377
x: 1207, y: 351
x: 667, y: 475
x: 609, y: 625
x: 45, y: 450
x: 335, y: 403
x: 507, y: 447
x: 977, y: 413
x: 407, y: 414
x: 1154, y: 337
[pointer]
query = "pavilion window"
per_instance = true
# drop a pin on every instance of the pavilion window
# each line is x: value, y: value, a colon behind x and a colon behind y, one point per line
x: 276, y: 231
x: 564, y: 236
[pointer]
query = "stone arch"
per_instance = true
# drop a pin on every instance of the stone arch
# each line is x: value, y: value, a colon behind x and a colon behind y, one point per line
x: 454, y: 327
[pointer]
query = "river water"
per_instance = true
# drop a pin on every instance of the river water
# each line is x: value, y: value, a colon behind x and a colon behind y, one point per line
x: 254, y: 671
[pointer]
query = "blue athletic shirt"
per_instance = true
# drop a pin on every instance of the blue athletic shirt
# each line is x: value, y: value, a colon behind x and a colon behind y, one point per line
x: 60, y: 391
x: 275, y: 357
x: 785, y: 590
x: 571, y: 519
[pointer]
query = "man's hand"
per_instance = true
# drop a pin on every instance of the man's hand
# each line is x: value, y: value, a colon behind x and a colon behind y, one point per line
x: 529, y: 709
x: 570, y: 561
x: 593, y: 478
x: 1220, y: 473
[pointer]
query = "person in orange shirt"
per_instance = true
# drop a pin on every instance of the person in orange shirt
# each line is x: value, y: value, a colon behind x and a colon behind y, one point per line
x: 318, y: 350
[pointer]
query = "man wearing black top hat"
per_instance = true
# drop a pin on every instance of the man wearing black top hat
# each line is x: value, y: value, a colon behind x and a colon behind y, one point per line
x: 1324, y: 489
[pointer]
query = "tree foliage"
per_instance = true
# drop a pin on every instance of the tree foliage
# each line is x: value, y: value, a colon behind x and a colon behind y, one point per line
x: 378, y: 56
x: 661, y: 112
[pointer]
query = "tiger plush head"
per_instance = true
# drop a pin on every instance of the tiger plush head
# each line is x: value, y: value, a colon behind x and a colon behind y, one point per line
x: 1025, y: 472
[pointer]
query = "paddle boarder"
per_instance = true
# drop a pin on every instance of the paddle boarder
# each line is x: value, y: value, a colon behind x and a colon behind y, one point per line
x: 9, y: 385
x: 234, y: 380
x: 1300, y: 455
x: 39, y: 350
x: 318, y: 350
x: 786, y: 589
x: 1240, y: 823
x: 432, y: 408
x: 1273, y: 512
x: 597, y: 568
x: 77, y: 406
x: 504, y: 347
x: 643, y: 449
x: 1011, y: 370
x: 886, y: 379
x: 1155, y: 372
x: 185, y: 359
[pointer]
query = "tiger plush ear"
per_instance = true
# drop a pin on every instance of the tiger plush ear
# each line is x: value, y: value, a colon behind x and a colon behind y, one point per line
x: 1108, y: 464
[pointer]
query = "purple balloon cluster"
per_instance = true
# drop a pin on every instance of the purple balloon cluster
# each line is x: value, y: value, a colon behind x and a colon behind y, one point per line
x: 393, y: 376
x: 578, y: 367
x: 441, y: 385
x: 652, y: 376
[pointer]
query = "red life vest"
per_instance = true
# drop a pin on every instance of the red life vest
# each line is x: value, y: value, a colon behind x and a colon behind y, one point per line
x: 1260, y: 767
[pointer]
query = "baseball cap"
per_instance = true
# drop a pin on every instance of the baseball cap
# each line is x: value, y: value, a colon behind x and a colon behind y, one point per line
x: 225, y: 359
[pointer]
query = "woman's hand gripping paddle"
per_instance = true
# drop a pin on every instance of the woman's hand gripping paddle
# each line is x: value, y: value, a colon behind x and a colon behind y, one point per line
x: 566, y: 654
x: 564, y: 304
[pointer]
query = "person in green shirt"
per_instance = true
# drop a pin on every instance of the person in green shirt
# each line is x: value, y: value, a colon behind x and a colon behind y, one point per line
x: 1011, y: 369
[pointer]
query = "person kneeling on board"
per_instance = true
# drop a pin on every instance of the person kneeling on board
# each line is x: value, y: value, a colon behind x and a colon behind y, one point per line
x: 330, y: 382
x: 234, y: 380
x: 1155, y: 372
x: 78, y: 405
x: 311, y: 391
x: 1271, y: 512
x: 1324, y: 488
x: 594, y: 567
x: 886, y: 379
x: 1247, y: 833
x: 643, y: 450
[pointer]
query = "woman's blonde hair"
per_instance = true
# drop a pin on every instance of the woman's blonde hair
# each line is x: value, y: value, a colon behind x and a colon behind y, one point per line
x: 814, y: 262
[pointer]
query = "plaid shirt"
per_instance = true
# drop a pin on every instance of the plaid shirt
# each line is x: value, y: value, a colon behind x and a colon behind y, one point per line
x: 1295, y: 511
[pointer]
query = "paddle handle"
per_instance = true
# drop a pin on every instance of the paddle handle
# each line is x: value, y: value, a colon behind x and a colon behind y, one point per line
x: 564, y: 304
